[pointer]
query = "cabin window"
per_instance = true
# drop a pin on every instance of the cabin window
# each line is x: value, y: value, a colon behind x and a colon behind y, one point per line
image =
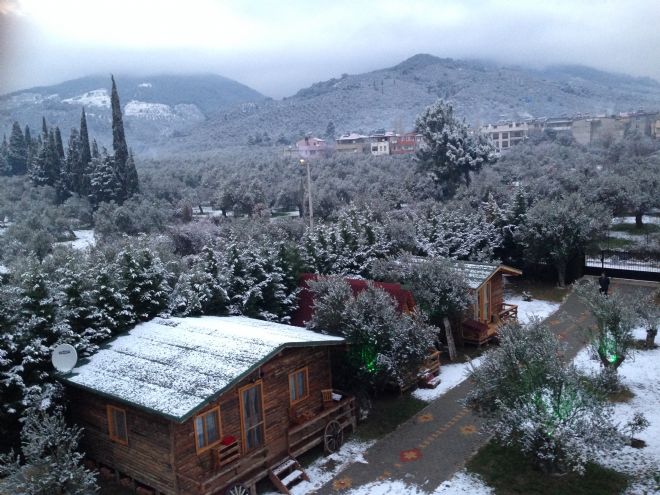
x: 298, y: 385
x: 252, y: 416
x: 117, y: 425
x: 207, y: 429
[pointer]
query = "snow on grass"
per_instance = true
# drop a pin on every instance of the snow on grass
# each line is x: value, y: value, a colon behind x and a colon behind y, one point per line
x: 150, y: 111
x: 528, y: 309
x: 640, y: 375
x: 464, y: 483
x: 325, y: 468
x: 450, y: 376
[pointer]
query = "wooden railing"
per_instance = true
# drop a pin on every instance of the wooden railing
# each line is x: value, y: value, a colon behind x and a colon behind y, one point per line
x: 508, y: 312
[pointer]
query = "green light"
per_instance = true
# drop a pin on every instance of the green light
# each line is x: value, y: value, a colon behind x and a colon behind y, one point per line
x: 607, y: 348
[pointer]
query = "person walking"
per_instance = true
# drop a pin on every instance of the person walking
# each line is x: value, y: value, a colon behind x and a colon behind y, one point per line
x: 604, y: 282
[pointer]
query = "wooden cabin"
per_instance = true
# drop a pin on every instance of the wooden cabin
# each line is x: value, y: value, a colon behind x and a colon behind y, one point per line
x: 489, y: 309
x: 209, y: 405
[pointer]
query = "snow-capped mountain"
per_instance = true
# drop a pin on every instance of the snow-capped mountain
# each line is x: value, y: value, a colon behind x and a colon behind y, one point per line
x: 154, y: 107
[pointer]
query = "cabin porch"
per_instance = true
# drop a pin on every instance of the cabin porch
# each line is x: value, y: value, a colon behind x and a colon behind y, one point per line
x: 479, y: 333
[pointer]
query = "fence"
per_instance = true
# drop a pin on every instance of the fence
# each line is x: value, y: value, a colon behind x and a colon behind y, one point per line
x: 624, y: 263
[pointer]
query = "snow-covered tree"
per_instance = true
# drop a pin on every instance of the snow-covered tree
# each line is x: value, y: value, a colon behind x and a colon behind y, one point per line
x: 385, y: 346
x: 534, y: 400
x: 144, y: 281
x: 450, y: 154
x: 616, y: 317
x: 460, y: 234
x: 113, y: 311
x: 104, y: 182
x: 558, y: 231
x: 649, y: 317
x: 50, y: 463
x: 348, y: 246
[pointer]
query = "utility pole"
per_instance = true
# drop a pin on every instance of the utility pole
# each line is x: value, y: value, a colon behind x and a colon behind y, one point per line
x: 309, y: 193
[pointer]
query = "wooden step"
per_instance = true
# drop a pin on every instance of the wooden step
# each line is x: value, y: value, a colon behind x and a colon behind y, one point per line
x: 286, y: 474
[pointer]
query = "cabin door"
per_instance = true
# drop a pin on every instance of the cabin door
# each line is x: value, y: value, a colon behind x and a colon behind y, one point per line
x: 252, y: 417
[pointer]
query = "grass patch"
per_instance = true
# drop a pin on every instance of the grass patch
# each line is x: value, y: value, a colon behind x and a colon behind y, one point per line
x: 631, y: 228
x: 386, y: 414
x: 508, y: 472
x: 613, y: 243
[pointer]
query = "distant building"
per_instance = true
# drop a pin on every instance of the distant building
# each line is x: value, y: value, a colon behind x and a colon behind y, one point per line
x: 656, y: 129
x: 352, y: 143
x: 504, y: 135
x: 312, y: 147
x: 404, y: 144
x: 590, y: 130
x: 380, y: 142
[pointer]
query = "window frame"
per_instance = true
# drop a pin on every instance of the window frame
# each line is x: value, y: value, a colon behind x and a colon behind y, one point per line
x: 110, y: 410
x: 203, y: 415
x: 244, y: 446
x: 304, y: 370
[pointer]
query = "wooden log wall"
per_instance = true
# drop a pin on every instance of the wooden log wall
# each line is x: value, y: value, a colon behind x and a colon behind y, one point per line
x: 146, y: 458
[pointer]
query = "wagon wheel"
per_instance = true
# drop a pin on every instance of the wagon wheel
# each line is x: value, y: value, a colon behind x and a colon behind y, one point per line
x: 238, y: 490
x: 333, y: 436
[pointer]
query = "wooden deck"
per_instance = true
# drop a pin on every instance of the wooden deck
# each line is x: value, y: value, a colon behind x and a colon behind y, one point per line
x: 478, y: 333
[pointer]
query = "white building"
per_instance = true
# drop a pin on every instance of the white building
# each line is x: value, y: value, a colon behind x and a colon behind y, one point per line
x: 506, y: 134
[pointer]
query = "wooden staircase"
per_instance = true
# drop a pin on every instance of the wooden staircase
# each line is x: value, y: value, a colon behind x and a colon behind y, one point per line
x: 287, y: 474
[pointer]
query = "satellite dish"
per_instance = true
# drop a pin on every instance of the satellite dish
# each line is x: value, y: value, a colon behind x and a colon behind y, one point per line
x: 64, y: 358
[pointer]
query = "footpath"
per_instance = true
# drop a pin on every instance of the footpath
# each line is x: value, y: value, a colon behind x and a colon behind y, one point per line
x: 431, y: 446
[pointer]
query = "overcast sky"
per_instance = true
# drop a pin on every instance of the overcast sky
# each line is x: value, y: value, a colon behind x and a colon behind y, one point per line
x: 278, y: 47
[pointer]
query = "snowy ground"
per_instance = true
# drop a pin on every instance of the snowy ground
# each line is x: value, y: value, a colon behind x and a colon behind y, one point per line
x: 528, y: 309
x: 83, y: 240
x: 450, y: 376
x: 640, y: 375
x: 645, y: 219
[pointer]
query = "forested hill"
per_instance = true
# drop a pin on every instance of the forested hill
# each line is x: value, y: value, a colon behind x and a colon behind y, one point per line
x: 154, y: 106
x: 201, y: 113
x: 391, y: 98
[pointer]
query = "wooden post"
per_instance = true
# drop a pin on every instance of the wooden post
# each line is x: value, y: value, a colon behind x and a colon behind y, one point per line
x: 450, y: 339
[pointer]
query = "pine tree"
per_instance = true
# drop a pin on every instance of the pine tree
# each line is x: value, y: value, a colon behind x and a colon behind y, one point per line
x: 17, y: 151
x: 38, y: 167
x: 450, y: 154
x: 104, y: 185
x: 52, y: 464
x: 113, y: 312
x: 145, y: 281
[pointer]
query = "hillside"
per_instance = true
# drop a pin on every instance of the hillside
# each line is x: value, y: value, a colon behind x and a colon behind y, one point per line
x: 169, y: 114
x: 154, y: 106
x: 393, y: 97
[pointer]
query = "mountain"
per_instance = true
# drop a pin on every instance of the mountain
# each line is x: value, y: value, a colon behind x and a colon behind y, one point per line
x: 169, y: 114
x: 155, y: 107
x: 392, y: 98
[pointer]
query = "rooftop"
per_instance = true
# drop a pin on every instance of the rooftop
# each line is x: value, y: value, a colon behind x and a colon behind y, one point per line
x: 174, y: 367
x: 477, y: 273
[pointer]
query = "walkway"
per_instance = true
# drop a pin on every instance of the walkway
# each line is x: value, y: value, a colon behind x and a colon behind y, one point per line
x: 430, y: 447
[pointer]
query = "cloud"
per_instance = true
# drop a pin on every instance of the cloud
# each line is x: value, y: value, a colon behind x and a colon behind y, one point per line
x: 278, y: 47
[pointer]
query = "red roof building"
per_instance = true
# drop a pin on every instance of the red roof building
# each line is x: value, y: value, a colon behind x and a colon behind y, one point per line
x: 404, y: 298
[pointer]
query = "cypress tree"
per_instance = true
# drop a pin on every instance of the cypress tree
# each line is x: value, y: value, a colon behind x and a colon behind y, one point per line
x: 28, y: 136
x: 30, y: 147
x: 4, y: 152
x: 53, y: 166
x: 72, y: 173
x: 58, y: 143
x: 95, y: 152
x: 132, y: 183
x: 85, y: 151
x: 44, y: 128
x: 17, y: 151
x: 118, y: 138
x: 38, y: 167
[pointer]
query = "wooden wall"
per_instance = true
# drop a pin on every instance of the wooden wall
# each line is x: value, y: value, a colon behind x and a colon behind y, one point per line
x: 146, y: 458
x: 497, y: 293
x: 274, y: 377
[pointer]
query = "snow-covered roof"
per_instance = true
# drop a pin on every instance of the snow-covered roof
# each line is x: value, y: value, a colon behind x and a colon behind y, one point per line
x: 477, y: 273
x: 175, y: 366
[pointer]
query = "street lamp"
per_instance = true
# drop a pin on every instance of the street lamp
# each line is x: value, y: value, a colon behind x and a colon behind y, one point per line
x: 309, y: 193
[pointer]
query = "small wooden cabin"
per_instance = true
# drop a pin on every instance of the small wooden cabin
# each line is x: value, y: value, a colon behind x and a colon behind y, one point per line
x: 489, y: 310
x: 209, y: 405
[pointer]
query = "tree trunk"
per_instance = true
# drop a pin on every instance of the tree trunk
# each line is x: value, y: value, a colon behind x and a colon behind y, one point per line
x: 450, y: 339
x: 561, y: 273
x: 650, y: 337
x: 638, y: 219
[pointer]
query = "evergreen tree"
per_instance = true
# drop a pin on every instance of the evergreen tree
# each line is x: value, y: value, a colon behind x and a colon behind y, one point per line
x: 59, y: 144
x: 132, y: 182
x: 119, y: 139
x: 450, y: 154
x: 44, y: 128
x: 71, y: 173
x: 4, y: 164
x: 95, y: 150
x: 53, y: 163
x: 30, y: 147
x: 104, y: 185
x: 113, y: 312
x: 330, y: 131
x: 17, y: 151
x: 145, y: 281
x: 52, y: 464
x: 38, y: 168
x: 85, y: 150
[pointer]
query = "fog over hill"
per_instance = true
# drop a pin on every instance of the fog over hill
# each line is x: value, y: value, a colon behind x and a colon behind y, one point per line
x: 201, y: 113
